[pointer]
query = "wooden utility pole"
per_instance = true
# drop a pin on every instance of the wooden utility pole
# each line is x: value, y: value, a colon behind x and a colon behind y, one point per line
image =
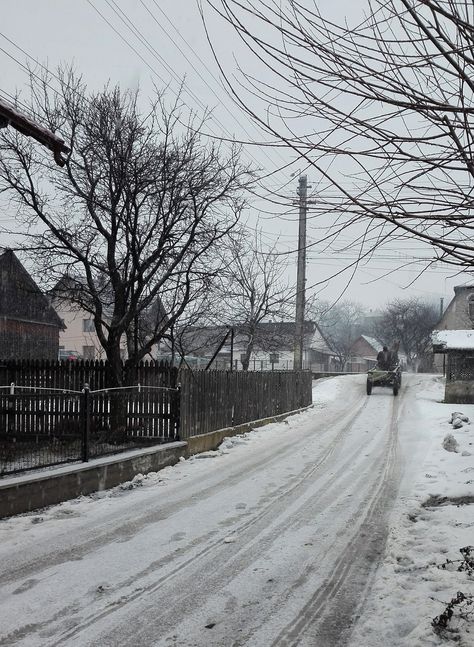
x: 10, y: 116
x: 301, y: 274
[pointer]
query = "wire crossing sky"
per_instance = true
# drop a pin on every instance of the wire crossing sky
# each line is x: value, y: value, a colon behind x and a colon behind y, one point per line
x: 150, y: 44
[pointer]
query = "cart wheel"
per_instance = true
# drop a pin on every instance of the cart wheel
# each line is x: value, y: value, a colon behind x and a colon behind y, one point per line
x: 369, y: 387
x: 395, y: 388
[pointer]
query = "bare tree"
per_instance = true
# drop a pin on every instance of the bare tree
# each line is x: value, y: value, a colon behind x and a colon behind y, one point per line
x: 253, y: 289
x: 411, y: 322
x: 136, y: 214
x: 184, y: 337
x: 385, y: 104
x: 340, y: 324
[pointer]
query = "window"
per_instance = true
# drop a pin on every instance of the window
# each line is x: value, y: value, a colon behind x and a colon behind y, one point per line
x: 274, y: 358
x: 88, y: 352
x: 470, y: 305
x: 88, y: 325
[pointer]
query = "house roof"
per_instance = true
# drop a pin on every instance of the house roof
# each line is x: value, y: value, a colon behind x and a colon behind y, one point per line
x: 269, y: 337
x: 376, y: 345
x: 20, y: 297
x: 467, y: 286
x: 444, y: 340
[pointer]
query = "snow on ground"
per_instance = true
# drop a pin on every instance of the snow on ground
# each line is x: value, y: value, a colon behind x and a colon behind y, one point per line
x: 432, y: 519
x: 48, y: 521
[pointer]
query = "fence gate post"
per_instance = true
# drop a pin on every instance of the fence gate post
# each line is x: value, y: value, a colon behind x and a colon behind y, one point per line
x: 10, y: 418
x: 85, y: 422
x: 175, y: 410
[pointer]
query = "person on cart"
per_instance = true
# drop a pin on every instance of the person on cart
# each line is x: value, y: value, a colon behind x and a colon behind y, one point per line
x: 384, y: 359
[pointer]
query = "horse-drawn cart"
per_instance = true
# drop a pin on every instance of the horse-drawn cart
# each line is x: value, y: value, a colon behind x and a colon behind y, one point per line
x: 379, y: 377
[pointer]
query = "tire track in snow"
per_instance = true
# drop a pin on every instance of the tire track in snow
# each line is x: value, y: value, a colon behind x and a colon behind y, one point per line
x: 244, y: 554
x: 340, y: 422
x: 313, y: 621
x: 141, y: 517
x: 256, y: 520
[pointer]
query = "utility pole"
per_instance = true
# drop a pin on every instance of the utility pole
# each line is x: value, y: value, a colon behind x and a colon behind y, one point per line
x: 10, y: 116
x: 301, y: 274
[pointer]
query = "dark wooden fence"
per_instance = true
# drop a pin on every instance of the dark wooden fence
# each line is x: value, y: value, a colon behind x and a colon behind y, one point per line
x: 73, y: 375
x: 42, y: 427
x: 55, y: 412
x: 212, y: 400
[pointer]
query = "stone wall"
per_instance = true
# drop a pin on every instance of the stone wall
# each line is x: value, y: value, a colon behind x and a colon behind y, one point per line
x: 459, y: 392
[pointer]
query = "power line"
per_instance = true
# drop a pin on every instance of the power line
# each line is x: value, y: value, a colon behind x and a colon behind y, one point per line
x: 176, y: 30
x: 137, y: 34
x: 145, y: 42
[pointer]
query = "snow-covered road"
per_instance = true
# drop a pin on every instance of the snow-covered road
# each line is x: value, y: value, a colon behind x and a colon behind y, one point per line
x: 272, y: 540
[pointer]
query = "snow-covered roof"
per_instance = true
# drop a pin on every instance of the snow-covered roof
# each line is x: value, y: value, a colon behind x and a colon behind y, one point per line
x: 372, y: 341
x: 452, y: 339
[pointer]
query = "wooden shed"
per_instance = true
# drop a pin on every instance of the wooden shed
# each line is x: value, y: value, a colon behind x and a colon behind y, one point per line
x: 458, y: 347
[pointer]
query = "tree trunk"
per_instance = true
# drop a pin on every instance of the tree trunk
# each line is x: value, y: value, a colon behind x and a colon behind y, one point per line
x: 118, y: 403
x: 115, y: 372
x: 247, y: 354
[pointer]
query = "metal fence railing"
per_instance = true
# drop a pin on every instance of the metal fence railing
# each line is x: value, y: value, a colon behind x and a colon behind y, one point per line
x: 41, y: 427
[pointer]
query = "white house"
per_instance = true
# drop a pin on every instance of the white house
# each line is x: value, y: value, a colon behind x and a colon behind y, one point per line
x: 273, y: 347
x: 458, y: 316
x: 79, y: 333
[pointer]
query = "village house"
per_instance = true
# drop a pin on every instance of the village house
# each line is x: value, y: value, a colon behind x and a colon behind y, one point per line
x: 273, y: 348
x: 363, y: 354
x: 459, y: 315
x: 457, y: 346
x: 78, y: 334
x: 29, y: 325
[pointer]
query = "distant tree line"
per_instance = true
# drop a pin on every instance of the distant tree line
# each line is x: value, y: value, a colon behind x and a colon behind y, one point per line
x: 409, y: 321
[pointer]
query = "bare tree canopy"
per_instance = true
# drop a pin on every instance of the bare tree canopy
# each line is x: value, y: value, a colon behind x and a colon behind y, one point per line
x: 134, y: 217
x: 252, y: 287
x: 411, y: 322
x: 383, y: 109
x: 340, y: 324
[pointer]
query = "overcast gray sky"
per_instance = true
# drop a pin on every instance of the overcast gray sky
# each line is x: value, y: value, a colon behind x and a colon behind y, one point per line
x: 146, y: 42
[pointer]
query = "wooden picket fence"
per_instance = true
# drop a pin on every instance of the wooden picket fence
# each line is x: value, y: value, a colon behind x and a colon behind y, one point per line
x: 54, y: 412
x: 212, y: 400
x: 73, y: 375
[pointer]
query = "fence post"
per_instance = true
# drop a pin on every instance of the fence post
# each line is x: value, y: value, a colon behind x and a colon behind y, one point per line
x: 11, y: 410
x: 176, y: 410
x: 85, y: 422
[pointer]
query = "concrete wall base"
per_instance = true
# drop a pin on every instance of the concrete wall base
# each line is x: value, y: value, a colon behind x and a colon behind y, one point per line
x: 459, y: 392
x: 34, y: 491
x: 212, y: 440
